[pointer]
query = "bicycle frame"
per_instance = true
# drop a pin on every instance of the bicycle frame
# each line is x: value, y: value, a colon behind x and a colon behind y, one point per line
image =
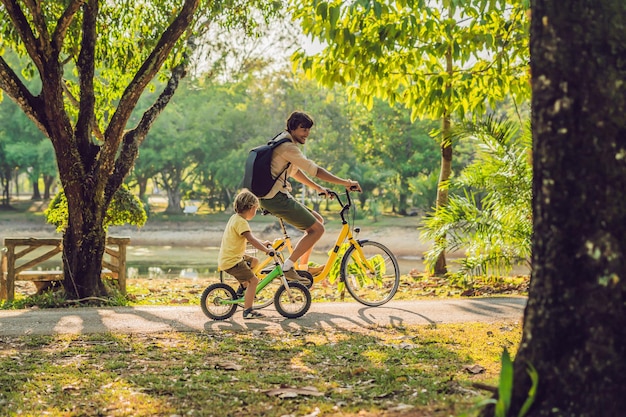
x: 278, y: 245
x: 277, y: 272
x: 345, y: 234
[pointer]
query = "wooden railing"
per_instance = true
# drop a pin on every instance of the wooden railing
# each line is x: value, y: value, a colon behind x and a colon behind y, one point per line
x: 14, y: 268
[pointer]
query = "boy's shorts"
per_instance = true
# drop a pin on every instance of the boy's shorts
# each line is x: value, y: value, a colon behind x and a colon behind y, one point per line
x: 290, y: 210
x: 242, y: 270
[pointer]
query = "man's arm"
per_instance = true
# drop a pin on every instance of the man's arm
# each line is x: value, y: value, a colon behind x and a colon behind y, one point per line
x: 325, y: 175
x: 304, y: 179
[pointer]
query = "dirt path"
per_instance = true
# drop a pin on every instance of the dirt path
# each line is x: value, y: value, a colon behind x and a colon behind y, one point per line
x: 347, y: 315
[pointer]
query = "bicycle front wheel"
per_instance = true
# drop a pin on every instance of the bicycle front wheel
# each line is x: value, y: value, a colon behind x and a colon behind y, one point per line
x: 372, y: 286
x: 293, y: 303
x: 211, y: 301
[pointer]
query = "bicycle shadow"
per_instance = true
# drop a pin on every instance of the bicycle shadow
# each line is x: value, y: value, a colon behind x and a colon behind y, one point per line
x: 364, y: 317
x: 351, y: 316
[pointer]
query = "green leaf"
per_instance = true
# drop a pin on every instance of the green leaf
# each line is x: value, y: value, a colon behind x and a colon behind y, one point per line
x: 532, y: 392
x: 322, y: 10
x: 334, y: 16
x: 505, y: 389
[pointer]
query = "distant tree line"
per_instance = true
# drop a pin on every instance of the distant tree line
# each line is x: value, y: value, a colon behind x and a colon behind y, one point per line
x: 196, y: 149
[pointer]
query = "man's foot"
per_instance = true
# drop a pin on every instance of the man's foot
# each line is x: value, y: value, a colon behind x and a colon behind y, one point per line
x: 293, y: 276
x: 251, y: 314
x: 316, y: 270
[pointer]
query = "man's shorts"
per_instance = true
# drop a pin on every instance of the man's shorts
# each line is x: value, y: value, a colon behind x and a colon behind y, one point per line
x: 242, y: 270
x: 290, y: 210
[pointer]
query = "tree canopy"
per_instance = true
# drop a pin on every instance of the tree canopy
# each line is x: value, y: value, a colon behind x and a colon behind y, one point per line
x: 94, y: 60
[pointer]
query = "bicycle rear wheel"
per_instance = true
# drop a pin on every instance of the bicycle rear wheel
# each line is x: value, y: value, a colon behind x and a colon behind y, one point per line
x: 292, y: 304
x: 211, y: 301
x: 370, y: 287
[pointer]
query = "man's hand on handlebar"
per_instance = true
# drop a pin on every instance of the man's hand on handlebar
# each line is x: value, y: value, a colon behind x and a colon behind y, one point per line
x: 354, y: 186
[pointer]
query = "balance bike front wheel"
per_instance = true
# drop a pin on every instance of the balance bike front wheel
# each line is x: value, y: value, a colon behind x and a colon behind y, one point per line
x: 293, y: 303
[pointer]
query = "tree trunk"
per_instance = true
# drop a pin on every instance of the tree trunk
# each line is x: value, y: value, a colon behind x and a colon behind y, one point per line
x: 174, y: 199
x: 6, y: 196
x: 36, y: 193
x: 442, y: 189
x: 446, y: 168
x: 48, y: 181
x: 574, y: 327
x: 143, y: 187
x: 83, y: 251
x: 403, y: 197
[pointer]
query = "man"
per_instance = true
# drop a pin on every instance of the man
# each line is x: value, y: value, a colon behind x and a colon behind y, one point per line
x: 281, y: 203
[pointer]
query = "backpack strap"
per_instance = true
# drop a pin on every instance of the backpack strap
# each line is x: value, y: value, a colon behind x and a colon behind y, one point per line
x: 276, y: 144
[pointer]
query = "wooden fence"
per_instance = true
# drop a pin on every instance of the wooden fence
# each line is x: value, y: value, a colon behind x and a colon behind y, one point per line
x: 14, y: 266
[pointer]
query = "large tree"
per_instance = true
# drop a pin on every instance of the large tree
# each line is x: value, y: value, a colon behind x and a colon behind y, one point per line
x: 576, y: 315
x: 94, y: 60
x: 439, y: 59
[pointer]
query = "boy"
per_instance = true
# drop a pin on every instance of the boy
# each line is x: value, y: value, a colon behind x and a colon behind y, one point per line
x: 232, y: 258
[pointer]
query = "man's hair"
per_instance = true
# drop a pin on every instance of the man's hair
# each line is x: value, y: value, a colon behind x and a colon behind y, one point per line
x: 299, y: 119
x: 245, y: 200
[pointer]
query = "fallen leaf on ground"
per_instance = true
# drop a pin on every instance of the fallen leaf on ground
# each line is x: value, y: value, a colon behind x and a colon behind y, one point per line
x: 474, y: 369
x: 290, y: 392
x: 228, y: 366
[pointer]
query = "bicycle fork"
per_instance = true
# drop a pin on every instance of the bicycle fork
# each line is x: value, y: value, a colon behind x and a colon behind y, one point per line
x: 361, y: 259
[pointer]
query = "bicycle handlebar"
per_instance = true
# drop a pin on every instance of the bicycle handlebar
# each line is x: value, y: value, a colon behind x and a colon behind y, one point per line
x: 344, y: 207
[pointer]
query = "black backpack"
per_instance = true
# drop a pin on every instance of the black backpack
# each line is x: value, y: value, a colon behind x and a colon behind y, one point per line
x: 258, y: 177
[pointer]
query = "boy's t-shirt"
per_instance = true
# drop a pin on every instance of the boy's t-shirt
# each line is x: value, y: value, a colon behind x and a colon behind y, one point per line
x: 233, y: 245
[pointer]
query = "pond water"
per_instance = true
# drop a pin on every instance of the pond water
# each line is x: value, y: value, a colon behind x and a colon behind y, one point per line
x: 191, y: 262
x: 201, y: 262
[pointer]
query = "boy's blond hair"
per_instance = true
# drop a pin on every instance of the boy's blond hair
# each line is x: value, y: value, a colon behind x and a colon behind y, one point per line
x: 245, y: 200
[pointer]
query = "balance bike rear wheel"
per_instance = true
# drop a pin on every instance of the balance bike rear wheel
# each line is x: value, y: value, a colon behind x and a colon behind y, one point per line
x: 211, y: 301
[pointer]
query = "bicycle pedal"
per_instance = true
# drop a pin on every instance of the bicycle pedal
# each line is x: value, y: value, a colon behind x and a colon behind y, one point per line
x: 267, y: 271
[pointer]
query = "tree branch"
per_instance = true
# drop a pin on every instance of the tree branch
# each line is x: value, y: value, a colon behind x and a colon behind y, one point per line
x: 86, y: 70
x: 39, y: 22
x: 145, y: 74
x: 24, y: 31
x: 19, y: 93
x: 133, y: 138
x: 96, y: 129
x: 64, y: 23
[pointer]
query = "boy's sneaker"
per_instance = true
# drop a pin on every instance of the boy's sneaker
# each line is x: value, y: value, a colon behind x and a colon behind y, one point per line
x: 251, y: 314
x: 293, y: 276
x: 240, y: 291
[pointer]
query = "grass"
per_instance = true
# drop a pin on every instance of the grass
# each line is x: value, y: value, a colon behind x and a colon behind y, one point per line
x: 400, y: 371
x: 391, y: 371
x: 181, y: 291
x: 436, y: 370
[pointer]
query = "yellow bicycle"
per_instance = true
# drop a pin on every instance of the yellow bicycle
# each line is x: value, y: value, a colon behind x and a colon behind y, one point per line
x: 368, y: 269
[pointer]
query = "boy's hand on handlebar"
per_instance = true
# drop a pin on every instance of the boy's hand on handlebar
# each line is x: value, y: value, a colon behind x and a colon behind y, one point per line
x: 326, y: 192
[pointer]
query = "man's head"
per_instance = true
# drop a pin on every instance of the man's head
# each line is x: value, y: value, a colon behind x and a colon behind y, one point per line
x: 299, y: 119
